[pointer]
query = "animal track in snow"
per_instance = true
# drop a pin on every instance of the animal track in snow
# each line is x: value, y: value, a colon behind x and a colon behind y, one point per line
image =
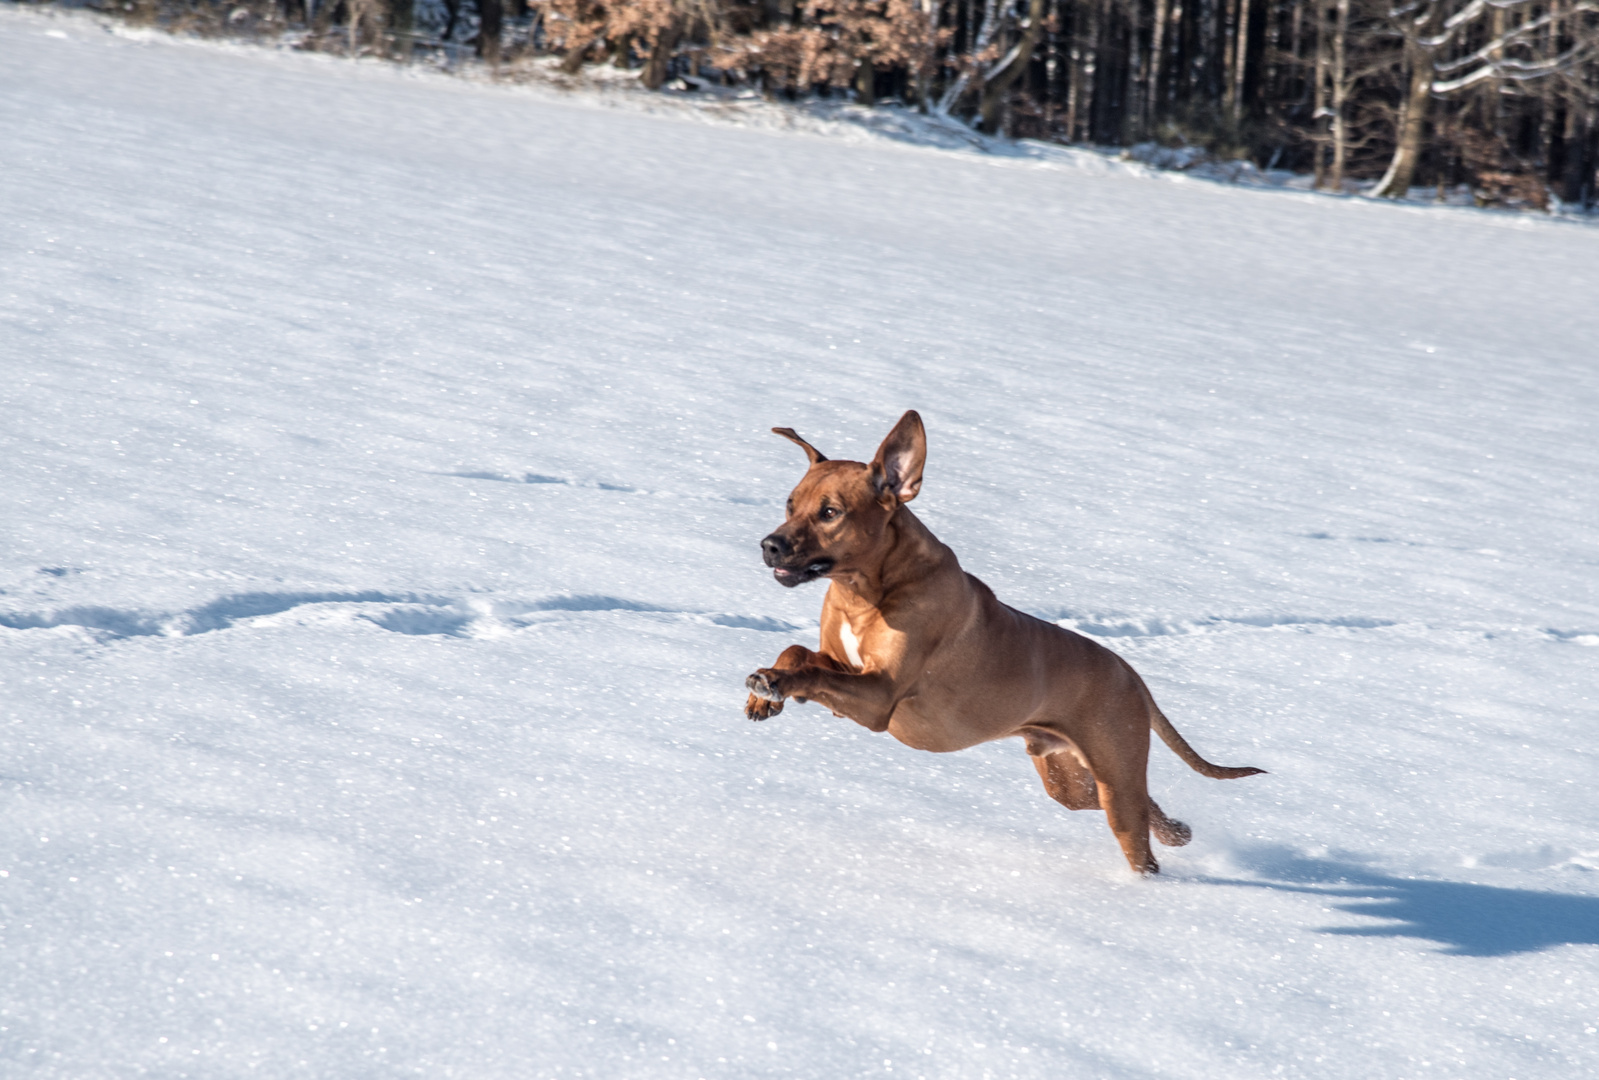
x: 1156, y: 626
x: 1575, y: 637
x: 501, y: 478
x: 605, y: 485
x: 484, y: 615
x: 1543, y: 857
x: 1112, y: 626
x: 219, y: 614
x: 474, y: 615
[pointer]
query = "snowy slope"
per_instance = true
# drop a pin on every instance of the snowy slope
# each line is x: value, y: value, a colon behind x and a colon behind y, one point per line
x: 385, y: 463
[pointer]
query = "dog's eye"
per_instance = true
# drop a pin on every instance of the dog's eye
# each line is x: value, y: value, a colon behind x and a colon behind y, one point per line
x: 829, y: 513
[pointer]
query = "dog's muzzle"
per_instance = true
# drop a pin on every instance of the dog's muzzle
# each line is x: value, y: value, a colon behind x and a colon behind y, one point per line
x: 778, y: 553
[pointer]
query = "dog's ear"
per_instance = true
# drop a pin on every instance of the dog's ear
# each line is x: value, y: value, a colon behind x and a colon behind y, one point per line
x: 897, y: 468
x: 810, y: 451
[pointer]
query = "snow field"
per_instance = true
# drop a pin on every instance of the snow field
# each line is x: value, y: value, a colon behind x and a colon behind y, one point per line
x: 386, y: 458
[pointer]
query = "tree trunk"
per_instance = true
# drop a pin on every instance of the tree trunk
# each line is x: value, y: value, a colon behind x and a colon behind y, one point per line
x: 1090, y: 77
x: 1340, y: 95
x: 402, y: 28
x: 1227, y: 14
x: 322, y: 21
x: 1270, y: 82
x: 1157, y: 46
x: 1396, y: 182
x: 866, y: 84
x: 1295, y: 35
x: 1495, y: 99
x: 956, y: 91
x: 1074, y: 83
x: 924, y: 74
x: 1576, y: 185
x: 490, y: 16
x: 572, y: 62
x: 1241, y: 61
x: 1322, y: 113
x: 577, y: 50
x: 1132, y: 107
x: 997, y: 84
x: 660, y: 61
x: 1182, y: 22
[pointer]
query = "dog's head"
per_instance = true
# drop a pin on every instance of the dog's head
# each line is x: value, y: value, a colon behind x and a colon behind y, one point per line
x: 838, y: 514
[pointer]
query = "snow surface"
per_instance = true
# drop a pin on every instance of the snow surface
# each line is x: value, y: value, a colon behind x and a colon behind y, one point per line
x: 385, y: 460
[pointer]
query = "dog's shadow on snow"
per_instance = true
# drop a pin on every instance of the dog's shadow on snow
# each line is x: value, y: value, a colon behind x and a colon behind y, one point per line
x: 1466, y: 919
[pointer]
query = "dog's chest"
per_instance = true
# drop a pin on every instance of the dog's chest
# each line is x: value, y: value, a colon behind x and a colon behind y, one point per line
x: 851, y: 643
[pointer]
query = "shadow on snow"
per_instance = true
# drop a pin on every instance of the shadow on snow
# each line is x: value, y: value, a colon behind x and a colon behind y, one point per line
x: 1465, y: 918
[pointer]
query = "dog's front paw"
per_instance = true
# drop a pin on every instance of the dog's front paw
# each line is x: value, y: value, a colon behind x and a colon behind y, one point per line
x: 764, y: 685
x: 760, y: 709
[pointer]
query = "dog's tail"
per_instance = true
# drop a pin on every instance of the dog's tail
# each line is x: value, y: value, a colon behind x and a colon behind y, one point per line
x: 1179, y: 746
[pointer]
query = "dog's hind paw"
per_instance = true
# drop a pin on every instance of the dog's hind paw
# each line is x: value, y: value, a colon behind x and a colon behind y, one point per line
x: 1172, y: 833
x: 760, y: 709
x: 760, y: 684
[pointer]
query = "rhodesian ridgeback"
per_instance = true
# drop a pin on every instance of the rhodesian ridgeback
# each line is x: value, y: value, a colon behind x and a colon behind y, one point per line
x: 913, y: 645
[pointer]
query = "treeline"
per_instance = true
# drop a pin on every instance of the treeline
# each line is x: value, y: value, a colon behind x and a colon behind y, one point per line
x: 1496, y: 97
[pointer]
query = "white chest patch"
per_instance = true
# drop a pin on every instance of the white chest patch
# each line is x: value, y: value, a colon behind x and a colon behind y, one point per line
x: 852, y: 644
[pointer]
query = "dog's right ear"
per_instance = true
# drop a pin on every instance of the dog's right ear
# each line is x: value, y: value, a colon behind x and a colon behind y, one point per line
x: 810, y: 451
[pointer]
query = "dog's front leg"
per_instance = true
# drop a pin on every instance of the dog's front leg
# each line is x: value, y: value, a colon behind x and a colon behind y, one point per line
x: 867, y: 699
x: 793, y: 658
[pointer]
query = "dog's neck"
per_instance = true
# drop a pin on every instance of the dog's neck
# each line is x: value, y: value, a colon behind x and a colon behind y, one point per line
x: 909, y: 554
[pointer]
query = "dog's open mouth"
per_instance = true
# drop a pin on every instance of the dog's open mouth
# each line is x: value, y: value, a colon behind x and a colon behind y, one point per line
x: 798, y: 575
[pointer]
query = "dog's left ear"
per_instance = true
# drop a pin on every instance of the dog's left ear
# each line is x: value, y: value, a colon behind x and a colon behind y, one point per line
x: 897, y: 468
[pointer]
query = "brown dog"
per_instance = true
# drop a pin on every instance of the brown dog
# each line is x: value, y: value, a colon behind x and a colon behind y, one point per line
x: 915, y: 646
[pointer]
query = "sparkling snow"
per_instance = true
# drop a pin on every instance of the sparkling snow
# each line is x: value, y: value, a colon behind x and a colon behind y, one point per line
x: 385, y: 460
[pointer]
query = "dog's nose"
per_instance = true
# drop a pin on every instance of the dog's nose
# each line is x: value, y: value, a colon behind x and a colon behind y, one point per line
x: 774, y: 548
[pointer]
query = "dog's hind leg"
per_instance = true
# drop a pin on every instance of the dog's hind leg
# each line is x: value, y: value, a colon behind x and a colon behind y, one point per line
x: 1118, y: 767
x: 1069, y: 783
x: 1073, y: 786
x: 1067, y: 780
x: 1127, y: 807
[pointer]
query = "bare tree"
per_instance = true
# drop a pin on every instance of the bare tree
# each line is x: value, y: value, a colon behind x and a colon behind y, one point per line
x: 998, y: 79
x: 1437, y: 61
x: 1387, y: 94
